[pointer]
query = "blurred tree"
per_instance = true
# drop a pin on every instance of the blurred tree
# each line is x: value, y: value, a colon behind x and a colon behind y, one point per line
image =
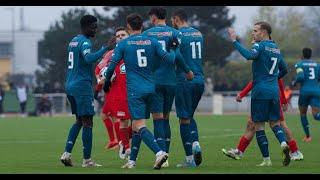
x: 287, y: 27
x: 210, y: 20
x: 312, y: 26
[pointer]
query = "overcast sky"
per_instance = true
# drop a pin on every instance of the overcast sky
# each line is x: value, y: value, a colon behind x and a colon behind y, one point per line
x: 40, y: 17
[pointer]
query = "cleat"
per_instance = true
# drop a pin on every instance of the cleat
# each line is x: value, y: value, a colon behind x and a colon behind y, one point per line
x: 307, y: 139
x: 160, y: 160
x: 196, y: 150
x: 233, y: 153
x: 285, y: 155
x: 112, y: 145
x: 297, y: 156
x: 122, y: 151
x: 129, y: 165
x: 165, y: 164
x: 90, y: 163
x: 66, y: 159
x: 265, y: 163
x: 187, y: 164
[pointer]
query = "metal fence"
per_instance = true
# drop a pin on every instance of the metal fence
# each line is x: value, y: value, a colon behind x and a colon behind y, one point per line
x: 220, y: 103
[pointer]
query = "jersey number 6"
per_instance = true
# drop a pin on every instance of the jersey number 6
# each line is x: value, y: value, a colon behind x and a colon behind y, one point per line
x: 142, y: 60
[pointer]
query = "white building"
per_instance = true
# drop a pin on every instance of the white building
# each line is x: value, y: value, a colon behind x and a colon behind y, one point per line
x: 24, y: 60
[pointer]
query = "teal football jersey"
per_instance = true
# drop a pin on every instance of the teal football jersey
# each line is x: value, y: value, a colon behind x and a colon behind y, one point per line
x: 308, y: 75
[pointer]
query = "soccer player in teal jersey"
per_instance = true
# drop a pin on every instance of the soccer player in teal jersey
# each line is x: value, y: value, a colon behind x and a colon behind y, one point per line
x: 79, y: 89
x: 188, y: 93
x: 165, y: 78
x: 138, y: 52
x: 308, y: 76
x: 267, y: 67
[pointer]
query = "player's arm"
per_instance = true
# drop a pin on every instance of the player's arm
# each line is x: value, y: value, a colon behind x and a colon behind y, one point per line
x: 300, y: 73
x: 283, y: 69
x: 251, y: 54
x: 164, y: 55
x: 115, y: 59
x: 181, y: 62
x: 91, y: 57
x: 246, y: 90
x: 283, y: 99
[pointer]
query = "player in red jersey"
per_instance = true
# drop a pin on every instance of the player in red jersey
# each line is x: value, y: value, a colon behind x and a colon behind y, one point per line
x: 115, y: 107
x: 250, y: 130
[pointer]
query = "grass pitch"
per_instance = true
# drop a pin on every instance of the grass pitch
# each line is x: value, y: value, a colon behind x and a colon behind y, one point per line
x: 35, y: 144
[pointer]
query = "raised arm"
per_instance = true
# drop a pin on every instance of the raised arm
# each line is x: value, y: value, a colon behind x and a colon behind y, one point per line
x: 91, y: 57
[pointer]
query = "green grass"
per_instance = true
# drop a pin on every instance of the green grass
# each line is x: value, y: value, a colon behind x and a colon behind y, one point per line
x: 34, y: 145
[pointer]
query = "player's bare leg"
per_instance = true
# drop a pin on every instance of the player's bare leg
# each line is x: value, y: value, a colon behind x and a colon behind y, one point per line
x: 305, y: 123
x: 244, y: 142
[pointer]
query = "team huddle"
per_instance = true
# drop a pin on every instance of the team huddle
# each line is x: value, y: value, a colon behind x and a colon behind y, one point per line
x: 143, y: 73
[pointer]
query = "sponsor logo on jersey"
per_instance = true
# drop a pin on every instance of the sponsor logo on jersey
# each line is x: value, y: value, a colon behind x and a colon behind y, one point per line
x: 121, y: 113
x: 73, y: 44
x: 194, y: 34
x: 122, y: 69
x: 309, y: 64
x: 274, y: 50
x: 140, y: 42
x: 160, y: 34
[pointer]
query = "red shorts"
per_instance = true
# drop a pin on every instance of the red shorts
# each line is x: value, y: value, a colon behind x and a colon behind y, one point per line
x: 118, y: 109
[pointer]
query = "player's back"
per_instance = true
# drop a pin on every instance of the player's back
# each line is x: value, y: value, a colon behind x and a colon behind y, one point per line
x: 79, y: 73
x: 265, y: 70
x: 139, y: 52
x: 310, y: 83
x: 191, y: 48
x: 164, y: 72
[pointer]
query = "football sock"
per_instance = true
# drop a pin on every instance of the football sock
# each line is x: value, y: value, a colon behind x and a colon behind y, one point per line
x: 159, y: 133
x: 117, y: 129
x: 293, y: 146
x: 305, y: 125
x: 149, y: 140
x: 124, y: 137
x: 278, y: 131
x: 317, y: 116
x: 72, y: 137
x: 186, y: 138
x: 109, y: 126
x: 194, y: 130
x: 130, y: 132
x: 243, y: 144
x: 135, y: 145
x: 167, y: 133
x: 262, y: 142
x: 87, y: 142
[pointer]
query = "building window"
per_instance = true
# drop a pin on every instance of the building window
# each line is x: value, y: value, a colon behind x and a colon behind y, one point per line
x: 5, y: 50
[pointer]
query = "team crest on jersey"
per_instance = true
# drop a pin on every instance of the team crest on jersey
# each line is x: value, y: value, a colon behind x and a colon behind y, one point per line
x: 122, y: 69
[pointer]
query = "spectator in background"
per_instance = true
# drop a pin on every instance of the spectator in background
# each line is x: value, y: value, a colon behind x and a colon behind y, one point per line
x: 22, y: 92
x: 44, y: 106
x: 2, y: 93
x: 208, y: 87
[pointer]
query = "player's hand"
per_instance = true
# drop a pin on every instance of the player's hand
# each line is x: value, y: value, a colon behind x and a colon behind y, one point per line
x: 173, y: 43
x: 106, y: 86
x: 232, y: 34
x: 112, y: 43
x: 238, y: 98
x: 189, y: 75
x: 285, y: 107
x: 96, y: 93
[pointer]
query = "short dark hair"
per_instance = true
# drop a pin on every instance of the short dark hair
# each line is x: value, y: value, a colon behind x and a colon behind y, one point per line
x: 159, y: 12
x: 265, y: 26
x: 307, y: 53
x: 121, y: 28
x: 87, y: 20
x: 135, y: 21
x: 181, y: 14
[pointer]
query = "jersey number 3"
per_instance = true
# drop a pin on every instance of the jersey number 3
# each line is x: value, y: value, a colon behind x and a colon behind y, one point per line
x: 70, y: 59
x: 311, y: 73
x: 142, y: 60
